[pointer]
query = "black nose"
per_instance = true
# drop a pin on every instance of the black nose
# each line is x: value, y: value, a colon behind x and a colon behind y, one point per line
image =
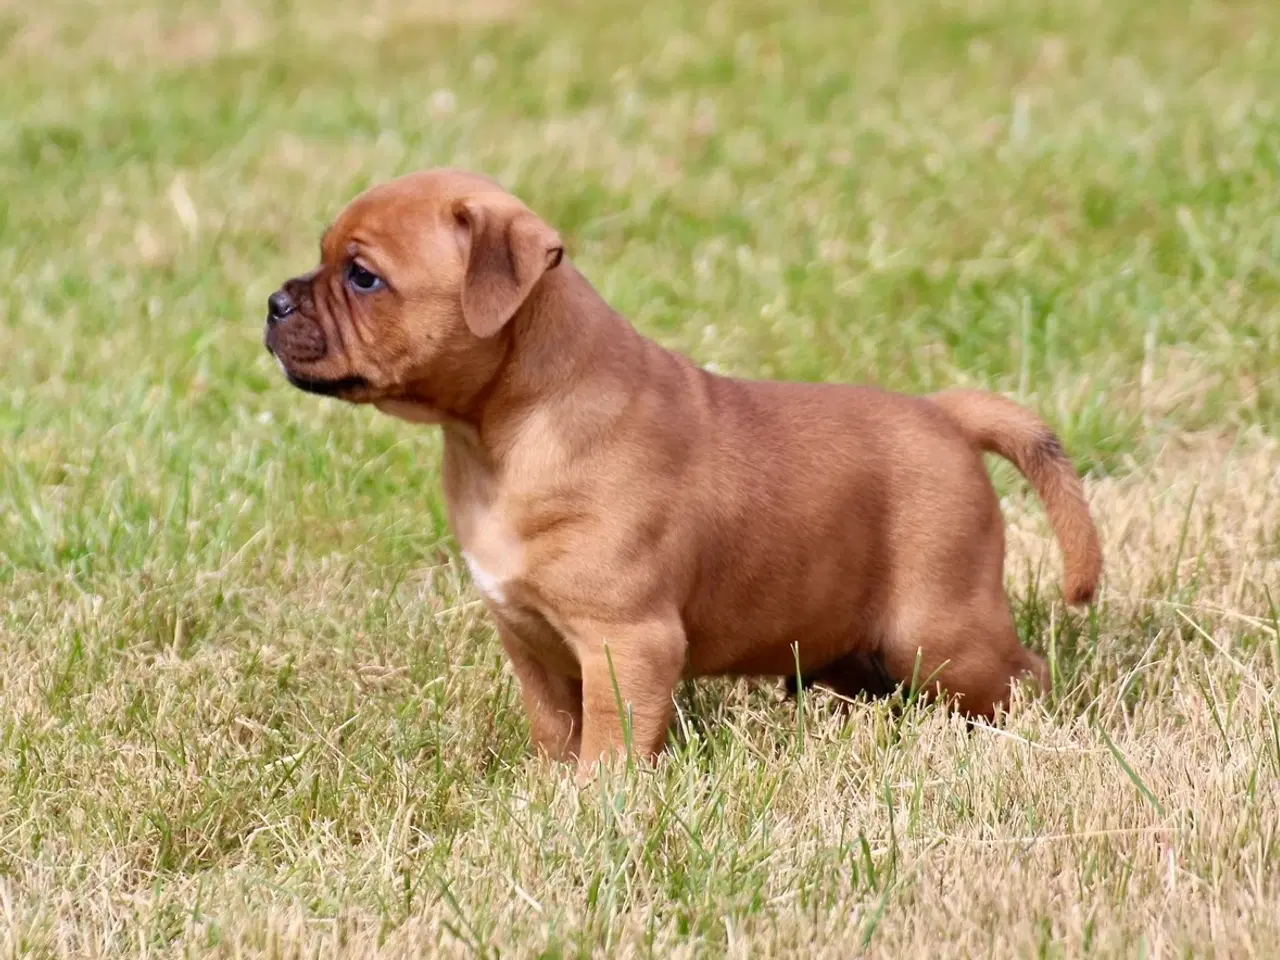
x: 279, y: 306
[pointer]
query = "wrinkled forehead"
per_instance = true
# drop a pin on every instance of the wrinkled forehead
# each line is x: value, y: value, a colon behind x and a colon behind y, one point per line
x: 375, y: 224
x: 396, y: 217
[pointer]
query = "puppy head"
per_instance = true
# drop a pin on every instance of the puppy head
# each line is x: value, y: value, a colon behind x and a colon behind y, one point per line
x: 418, y: 280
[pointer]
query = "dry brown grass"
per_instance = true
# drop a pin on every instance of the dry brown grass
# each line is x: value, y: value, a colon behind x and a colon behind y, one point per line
x: 1104, y: 821
x: 1198, y: 515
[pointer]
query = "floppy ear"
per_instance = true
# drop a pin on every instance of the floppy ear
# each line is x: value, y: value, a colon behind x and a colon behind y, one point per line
x: 507, y: 250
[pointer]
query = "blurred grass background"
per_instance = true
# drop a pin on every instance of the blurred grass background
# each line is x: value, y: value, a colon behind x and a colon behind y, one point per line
x: 238, y: 649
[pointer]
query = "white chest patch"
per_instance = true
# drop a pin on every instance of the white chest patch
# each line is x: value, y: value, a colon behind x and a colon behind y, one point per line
x: 485, y: 582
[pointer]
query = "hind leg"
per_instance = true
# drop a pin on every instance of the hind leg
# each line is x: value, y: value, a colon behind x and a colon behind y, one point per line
x: 969, y: 654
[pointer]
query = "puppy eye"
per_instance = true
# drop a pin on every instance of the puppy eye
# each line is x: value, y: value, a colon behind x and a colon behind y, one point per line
x: 366, y: 281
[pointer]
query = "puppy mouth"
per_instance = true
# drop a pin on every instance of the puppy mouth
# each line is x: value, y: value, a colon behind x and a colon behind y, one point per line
x: 334, y: 387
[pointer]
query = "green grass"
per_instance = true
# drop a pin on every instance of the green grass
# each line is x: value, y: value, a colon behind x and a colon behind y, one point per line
x: 249, y: 702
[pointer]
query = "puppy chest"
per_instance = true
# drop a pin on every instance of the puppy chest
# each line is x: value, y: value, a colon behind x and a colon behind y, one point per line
x: 492, y: 585
x: 493, y: 553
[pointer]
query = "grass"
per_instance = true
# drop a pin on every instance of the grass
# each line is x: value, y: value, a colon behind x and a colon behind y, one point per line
x: 249, y: 703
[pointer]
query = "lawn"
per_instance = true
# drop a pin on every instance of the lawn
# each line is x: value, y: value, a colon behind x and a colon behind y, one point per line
x: 250, y: 704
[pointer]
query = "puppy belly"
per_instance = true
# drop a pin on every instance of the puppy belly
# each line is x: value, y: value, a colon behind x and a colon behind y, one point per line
x: 749, y: 651
x: 781, y: 660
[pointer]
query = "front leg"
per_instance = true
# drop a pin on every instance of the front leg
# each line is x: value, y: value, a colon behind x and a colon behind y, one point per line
x: 636, y: 665
x: 552, y: 701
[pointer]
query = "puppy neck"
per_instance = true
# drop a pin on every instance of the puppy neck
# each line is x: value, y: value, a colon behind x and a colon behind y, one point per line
x: 565, y: 337
x: 457, y: 405
x: 565, y: 349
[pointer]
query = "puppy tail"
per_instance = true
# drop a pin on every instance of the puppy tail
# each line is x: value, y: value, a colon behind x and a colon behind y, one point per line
x: 998, y: 425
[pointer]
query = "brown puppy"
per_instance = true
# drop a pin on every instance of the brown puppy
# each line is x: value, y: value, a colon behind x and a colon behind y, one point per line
x: 631, y: 519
